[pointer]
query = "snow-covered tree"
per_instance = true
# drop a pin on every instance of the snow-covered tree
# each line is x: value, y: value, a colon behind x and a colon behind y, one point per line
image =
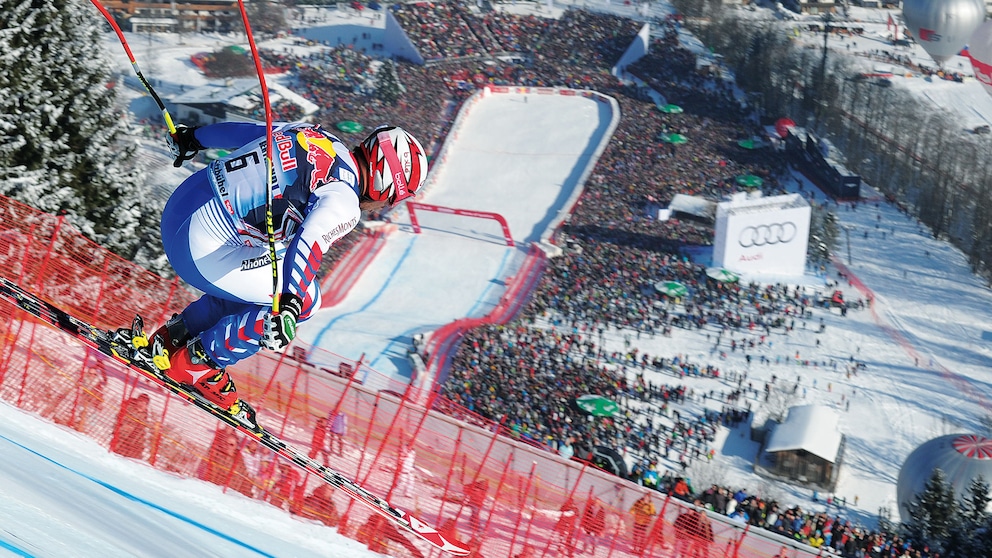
x: 823, y: 232
x: 65, y: 147
x: 969, y: 535
x: 388, y: 87
x: 976, y: 502
x: 932, y: 512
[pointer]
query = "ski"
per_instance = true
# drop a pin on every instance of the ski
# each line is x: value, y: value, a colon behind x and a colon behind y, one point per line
x: 116, y: 345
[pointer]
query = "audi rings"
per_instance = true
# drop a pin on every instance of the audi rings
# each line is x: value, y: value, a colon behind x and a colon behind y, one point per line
x: 765, y: 235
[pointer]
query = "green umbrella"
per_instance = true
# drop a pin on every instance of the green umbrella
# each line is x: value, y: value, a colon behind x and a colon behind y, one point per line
x: 722, y: 275
x: 675, y: 139
x: 597, y: 405
x: 670, y: 109
x: 750, y: 181
x: 349, y: 126
x: 671, y: 288
x: 751, y: 143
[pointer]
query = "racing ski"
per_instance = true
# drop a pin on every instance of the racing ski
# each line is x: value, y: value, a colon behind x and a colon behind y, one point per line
x: 115, y: 345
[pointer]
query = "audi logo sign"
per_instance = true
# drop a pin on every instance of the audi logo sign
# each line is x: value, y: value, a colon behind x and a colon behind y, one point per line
x: 767, y: 234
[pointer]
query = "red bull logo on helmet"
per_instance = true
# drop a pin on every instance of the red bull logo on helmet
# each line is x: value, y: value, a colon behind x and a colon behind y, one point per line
x: 320, y: 154
x: 397, y: 168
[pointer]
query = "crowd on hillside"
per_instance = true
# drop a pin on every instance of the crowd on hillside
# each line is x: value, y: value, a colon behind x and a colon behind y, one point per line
x: 615, y: 247
x: 831, y: 533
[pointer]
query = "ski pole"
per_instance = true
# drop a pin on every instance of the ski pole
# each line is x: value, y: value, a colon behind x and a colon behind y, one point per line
x: 269, y: 227
x: 134, y: 64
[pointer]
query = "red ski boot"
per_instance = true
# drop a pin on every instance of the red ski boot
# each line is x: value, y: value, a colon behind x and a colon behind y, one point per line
x: 189, y: 365
x: 177, y: 356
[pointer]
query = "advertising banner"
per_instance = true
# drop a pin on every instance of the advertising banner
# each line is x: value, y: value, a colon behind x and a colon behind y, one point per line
x: 763, y: 235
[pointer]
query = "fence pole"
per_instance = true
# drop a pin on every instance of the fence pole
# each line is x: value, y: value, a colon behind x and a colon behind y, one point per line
x: 29, y: 353
x: 485, y: 458
x: 289, y: 401
x: 347, y: 386
x: 499, y: 487
x: 613, y: 539
x: 10, y: 345
x: 79, y: 389
x: 97, y: 310
x: 48, y: 256
x: 740, y: 540
x: 516, y: 528
x: 368, y: 433
x: 447, y: 481
x: 570, y: 497
x: 659, y: 525
x: 413, y: 436
x: 173, y: 287
x: 385, y: 440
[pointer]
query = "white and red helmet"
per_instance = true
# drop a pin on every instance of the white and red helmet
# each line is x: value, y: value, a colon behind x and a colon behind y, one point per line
x: 397, y: 164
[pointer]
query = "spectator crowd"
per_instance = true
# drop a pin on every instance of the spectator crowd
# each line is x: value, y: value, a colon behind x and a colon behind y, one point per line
x: 529, y: 372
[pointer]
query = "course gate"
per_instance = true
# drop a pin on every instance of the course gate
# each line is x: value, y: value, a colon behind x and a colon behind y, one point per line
x: 414, y: 206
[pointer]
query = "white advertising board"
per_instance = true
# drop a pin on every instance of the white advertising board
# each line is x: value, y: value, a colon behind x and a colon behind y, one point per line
x: 762, y: 236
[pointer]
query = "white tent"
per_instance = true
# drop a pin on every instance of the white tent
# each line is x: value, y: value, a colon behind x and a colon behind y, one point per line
x: 693, y: 205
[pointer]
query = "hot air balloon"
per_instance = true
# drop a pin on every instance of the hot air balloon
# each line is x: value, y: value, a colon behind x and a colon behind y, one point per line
x: 962, y: 458
x: 980, y: 54
x: 942, y: 27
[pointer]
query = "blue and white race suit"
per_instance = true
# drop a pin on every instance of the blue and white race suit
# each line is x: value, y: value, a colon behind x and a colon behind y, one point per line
x: 214, y: 232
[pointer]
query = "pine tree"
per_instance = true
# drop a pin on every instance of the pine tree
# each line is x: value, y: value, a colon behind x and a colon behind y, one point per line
x: 64, y: 147
x: 822, y: 234
x: 388, y: 88
x: 966, y: 535
x: 976, y: 502
x: 933, y: 512
x: 267, y: 18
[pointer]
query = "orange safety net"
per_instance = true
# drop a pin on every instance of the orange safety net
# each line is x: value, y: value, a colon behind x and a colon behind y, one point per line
x: 452, y: 468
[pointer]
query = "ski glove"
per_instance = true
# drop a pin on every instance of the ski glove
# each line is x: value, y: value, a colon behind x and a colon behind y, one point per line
x: 183, y: 144
x: 280, y: 327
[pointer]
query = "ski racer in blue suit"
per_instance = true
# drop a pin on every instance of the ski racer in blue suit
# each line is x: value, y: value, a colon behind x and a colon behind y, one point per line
x: 215, y: 235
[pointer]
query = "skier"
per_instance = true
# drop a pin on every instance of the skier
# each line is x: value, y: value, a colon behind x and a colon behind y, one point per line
x: 215, y: 235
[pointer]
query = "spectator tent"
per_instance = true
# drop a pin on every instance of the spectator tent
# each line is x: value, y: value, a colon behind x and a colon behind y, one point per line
x: 807, y: 446
x: 693, y: 205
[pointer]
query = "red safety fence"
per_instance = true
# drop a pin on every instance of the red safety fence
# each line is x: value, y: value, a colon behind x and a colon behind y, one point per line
x: 453, y: 468
x: 353, y: 263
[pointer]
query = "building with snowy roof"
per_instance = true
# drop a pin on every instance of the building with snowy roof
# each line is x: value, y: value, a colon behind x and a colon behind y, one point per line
x: 237, y: 99
x: 807, y: 446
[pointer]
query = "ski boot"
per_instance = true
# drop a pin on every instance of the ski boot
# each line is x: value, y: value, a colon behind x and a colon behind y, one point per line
x: 168, y: 339
x: 189, y: 365
x: 173, y: 354
x: 179, y: 357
